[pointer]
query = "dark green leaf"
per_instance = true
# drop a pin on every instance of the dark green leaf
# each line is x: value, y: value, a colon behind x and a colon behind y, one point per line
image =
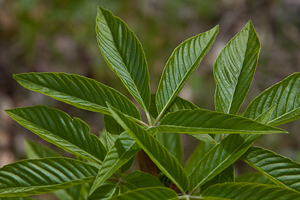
x: 234, y: 70
x: 60, y: 129
x: 79, y: 91
x: 254, y: 178
x: 284, y: 95
x: 250, y: 191
x: 138, y: 179
x: 153, y: 193
x: 34, y: 150
x: 281, y: 170
x: 181, y: 65
x: 167, y: 163
x: 124, y: 55
x: 105, y: 191
x: 38, y: 176
x: 205, y: 121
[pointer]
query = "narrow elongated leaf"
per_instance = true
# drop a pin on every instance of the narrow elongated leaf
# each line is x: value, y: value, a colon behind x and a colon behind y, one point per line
x: 105, y: 191
x: 138, y: 179
x: 167, y: 163
x: 205, y: 121
x: 219, y: 158
x: 60, y: 129
x: 113, y: 130
x: 181, y: 104
x: 196, y: 156
x: 34, y: 150
x: 124, y: 55
x: 234, y: 70
x: 172, y: 142
x: 250, y: 191
x: 121, y: 152
x: 254, y: 178
x: 38, y: 176
x: 181, y: 65
x: 152, y: 193
x: 281, y: 170
x: 285, y: 95
x: 17, y: 198
x: 79, y: 91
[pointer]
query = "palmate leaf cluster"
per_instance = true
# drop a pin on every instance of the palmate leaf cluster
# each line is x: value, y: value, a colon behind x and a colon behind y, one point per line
x: 99, y: 170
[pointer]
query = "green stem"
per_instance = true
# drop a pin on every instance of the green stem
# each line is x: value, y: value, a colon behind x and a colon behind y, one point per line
x: 149, y: 118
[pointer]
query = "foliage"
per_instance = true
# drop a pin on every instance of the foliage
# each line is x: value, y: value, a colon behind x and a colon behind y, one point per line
x: 99, y: 171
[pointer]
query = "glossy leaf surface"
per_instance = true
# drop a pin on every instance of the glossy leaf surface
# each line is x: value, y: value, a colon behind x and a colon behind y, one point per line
x: 219, y: 158
x: 181, y: 65
x: 60, y: 129
x: 121, y: 152
x: 250, y: 191
x: 152, y: 193
x: 281, y: 170
x: 79, y: 91
x: 205, y: 121
x: 38, y: 176
x: 285, y: 95
x: 124, y: 55
x: 167, y: 163
x: 234, y: 70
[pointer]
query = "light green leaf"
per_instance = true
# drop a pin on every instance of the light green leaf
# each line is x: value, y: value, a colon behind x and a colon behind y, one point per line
x: 124, y: 55
x: 250, y: 191
x: 196, y: 156
x: 281, y: 170
x: 205, y: 121
x: 234, y: 70
x: 167, y: 163
x: 219, y: 158
x: 79, y: 91
x: 181, y: 65
x: 121, y: 152
x: 152, y: 193
x: 105, y: 191
x: 254, y: 178
x: 285, y: 95
x: 38, y: 176
x: 34, y: 150
x: 138, y: 179
x: 60, y: 129
x: 172, y: 142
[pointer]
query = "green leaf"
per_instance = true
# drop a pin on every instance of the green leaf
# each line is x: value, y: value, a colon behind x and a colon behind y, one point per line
x: 285, y: 95
x: 124, y: 55
x: 167, y: 163
x: 105, y: 191
x: 205, y: 121
x: 152, y: 193
x: 196, y: 156
x: 34, y: 150
x: 221, y: 156
x: 18, y: 198
x: 234, y: 70
x: 113, y: 130
x: 172, y: 142
x: 138, y: 179
x: 79, y: 91
x: 121, y: 152
x: 181, y: 104
x: 57, y: 127
x: 250, y: 191
x: 38, y: 176
x: 281, y: 170
x: 181, y: 65
x: 254, y: 178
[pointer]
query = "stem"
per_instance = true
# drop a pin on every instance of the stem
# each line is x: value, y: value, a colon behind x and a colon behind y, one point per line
x: 149, y: 118
x: 138, y: 121
x: 190, y: 197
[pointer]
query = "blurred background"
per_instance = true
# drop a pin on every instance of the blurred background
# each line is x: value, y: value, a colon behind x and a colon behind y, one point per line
x: 59, y: 36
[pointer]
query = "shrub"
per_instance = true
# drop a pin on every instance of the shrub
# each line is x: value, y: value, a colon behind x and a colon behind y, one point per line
x: 99, y: 170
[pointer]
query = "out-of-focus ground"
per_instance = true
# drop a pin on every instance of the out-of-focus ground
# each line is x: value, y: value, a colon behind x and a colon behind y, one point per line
x: 43, y: 36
